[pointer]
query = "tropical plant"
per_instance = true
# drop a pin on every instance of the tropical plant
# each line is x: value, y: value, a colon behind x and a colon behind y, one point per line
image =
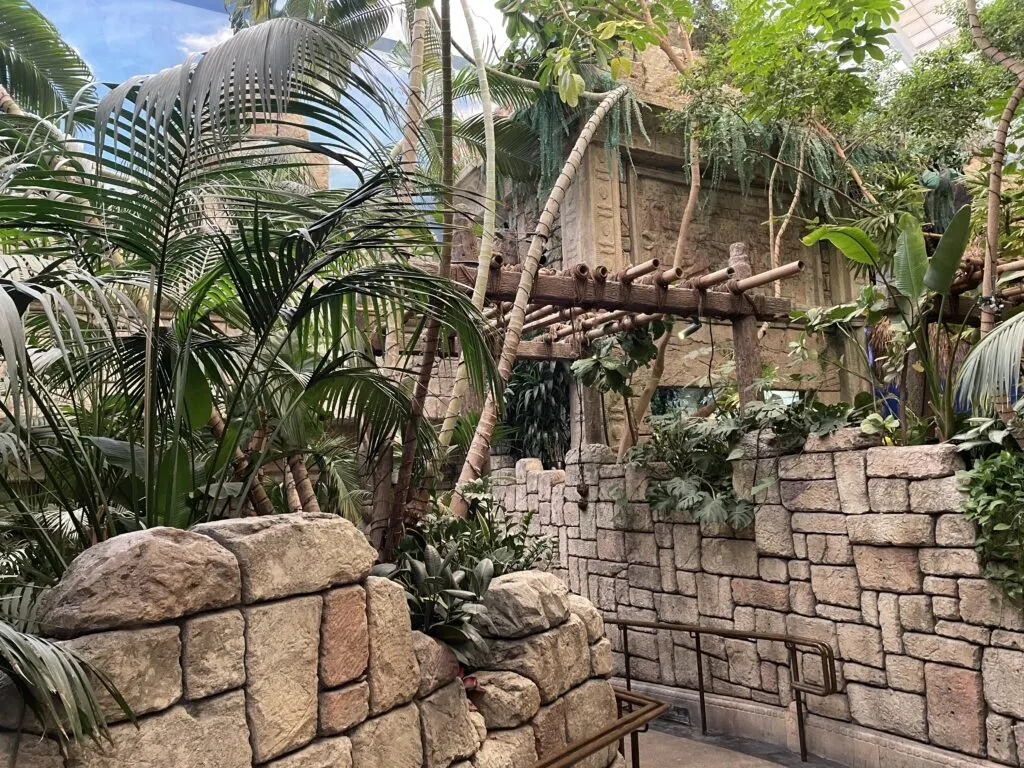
x: 537, y: 411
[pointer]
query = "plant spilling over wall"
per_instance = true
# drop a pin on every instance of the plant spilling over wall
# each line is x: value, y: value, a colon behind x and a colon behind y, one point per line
x: 693, y: 454
x: 446, y: 565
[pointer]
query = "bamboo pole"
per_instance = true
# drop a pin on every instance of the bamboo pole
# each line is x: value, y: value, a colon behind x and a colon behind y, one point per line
x: 713, y: 278
x: 630, y: 274
x: 763, y: 278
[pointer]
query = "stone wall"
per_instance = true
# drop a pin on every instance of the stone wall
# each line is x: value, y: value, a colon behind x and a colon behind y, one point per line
x: 265, y: 641
x: 858, y: 545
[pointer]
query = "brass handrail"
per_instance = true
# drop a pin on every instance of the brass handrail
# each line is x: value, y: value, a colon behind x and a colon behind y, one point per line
x: 793, y: 643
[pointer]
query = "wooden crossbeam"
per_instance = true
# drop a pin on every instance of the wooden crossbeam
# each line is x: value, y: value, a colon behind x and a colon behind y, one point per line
x: 567, y: 291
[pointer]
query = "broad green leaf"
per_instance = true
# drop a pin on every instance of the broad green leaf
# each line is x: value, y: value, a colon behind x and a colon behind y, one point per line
x: 949, y: 251
x: 911, y: 260
x: 852, y: 241
x: 173, y: 482
x: 197, y: 398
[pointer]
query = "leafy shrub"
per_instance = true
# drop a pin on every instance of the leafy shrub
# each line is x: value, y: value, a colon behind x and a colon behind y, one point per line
x: 537, y: 411
x: 694, y: 454
x: 995, y: 487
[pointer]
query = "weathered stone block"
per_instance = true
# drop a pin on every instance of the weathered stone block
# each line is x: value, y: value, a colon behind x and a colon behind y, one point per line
x: 846, y: 439
x: 1001, y: 742
x: 904, y: 673
x: 729, y: 557
x: 744, y: 663
x: 281, y: 658
x: 837, y: 585
x: 773, y: 569
x: 811, y: 466
x: 344, y: 708
x: 917, y: 462
x: 393, y: 740
x: 611, y: 545
x: 916, y: 613
x: 714, y: 595
x: 869, y: 608
x: 204, y: 734
x: 524, y: 603
x: 837, y: 613
x: 676, y: 609
x: 799, y: 570
x: 761, y: 594
x: 507, y: 749
x: 749, y: 474
x: 890, y: 711
x: 950, y: 562
x: 852, y: 483
x: 889, y: 622
x: 946, y: 608
x: 815, y: 522
x: 810, y: 495
x: 772, y: 532
x: 555, y: 660
x: 861, y: 643
x: 939, y: 495
x: 822, y: 630
x: 641, y: 548
x: 981, y: 602
x: 344, y: 649
x: 858, y: 673
x: 393, y: 672
x: 1002, y: 671
x: 686, y: 540
x: 549, y: 729
x: 438, y: 665
x: 892, y: 530
x: 324, y: 753
x: 888, y: 495
x: 955, y: 530
x: 601, y: 658
x: 588, y: 710
x: 143, y: 577
x: 956, y: 708
x: 801, y: 598
x: 890, y: 569
x: 823, y: 549
x: 936, y: 585
x: 942, y: 650
x: 213, y: 653
x: 448, y: 732
x: 589, y: 615
x: 1003, y: 639
x: 960, y: 631
x: 505, y: 699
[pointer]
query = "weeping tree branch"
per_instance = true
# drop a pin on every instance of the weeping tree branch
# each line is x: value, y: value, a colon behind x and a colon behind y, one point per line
x: 995, y: 174
x: 479, y: 449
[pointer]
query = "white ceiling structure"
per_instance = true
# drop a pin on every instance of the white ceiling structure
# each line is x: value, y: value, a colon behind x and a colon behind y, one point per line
x: 922, y: 26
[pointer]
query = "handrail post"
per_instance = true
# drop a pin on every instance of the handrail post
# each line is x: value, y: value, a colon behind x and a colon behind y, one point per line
x: 634, y: 737
x: 700, y: 686
x: 794, y: 676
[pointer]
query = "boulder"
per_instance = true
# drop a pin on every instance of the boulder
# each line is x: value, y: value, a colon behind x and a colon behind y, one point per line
x: 393, y: 740
x: 344, y: 644
x: 282, y: 656
x: 143, y: 577
x: 31, y: 752
x: 205, y: 734
x: 276, y: 553
x: 438, y: 665
x: 393, y: 672
x: 448, y: 731
x: 555, y: 661
x: 505, y: 699
x: 507, y: 749
x: 324, y: 753
x: 588, y: 710
x: 213, y: 653
x: 524, y: 603
x: 589, y: 615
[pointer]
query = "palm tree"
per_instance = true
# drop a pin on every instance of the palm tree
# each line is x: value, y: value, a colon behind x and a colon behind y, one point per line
x: 39, y: 71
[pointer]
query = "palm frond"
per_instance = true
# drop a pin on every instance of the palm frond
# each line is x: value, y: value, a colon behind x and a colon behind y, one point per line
x: 991, y: 373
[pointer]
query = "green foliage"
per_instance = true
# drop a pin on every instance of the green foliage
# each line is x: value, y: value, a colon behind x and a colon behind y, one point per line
x: 537, y: 410
x: 616, y: 357
x: 995, y: 486
x: 699, y: 453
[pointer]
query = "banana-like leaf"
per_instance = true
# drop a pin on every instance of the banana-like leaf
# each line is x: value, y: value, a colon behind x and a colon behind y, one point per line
x: 949, y: 252
x: 853, y: 242
x: 910, y: 263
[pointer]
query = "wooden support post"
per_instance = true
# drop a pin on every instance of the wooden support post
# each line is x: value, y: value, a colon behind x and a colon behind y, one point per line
x: 746, y: 350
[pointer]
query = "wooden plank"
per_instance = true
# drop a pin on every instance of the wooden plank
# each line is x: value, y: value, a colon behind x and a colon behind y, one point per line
x: 566, y: 291
x: 747, y: 355
x: 542, y: 350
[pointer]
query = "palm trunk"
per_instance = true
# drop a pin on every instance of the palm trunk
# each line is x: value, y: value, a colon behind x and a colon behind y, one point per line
x: 433, y: 332
x: 479, y: 450
x: 487, y: 236
x: 8, y: 105
x: 303, y: 485
x: 257, y: 500
x: 995, y: 175
x: 291, y: 494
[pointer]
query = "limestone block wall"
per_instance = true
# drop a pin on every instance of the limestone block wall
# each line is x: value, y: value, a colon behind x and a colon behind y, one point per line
x: 855, y: 544
x: 265, y: 641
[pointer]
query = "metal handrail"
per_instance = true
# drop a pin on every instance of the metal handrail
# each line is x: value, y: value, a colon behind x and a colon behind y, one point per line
x: 642, y: 710
x: 793, y: 643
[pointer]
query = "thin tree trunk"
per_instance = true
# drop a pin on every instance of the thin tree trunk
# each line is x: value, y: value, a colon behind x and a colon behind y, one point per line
x: 414, y: 107
x: 854, y: 173
x: 304, y: 485
x: 291, y: 495
x: 257, y: 499
x: 995, y: 175
x: 489, y: 225
x: 433, y: 332
x: 479, y: 450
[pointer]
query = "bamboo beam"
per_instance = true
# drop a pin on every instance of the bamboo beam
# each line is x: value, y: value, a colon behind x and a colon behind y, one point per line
x: 626, y: 324
x: 630, y: 274
x: 713, y: 278
x: 544, y: 322
x: 763, y: 278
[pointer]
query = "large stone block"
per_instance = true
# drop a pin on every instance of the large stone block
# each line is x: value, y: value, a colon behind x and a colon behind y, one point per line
x: 956, y: 708
x: 939, y: 495
x: 549, y: 729
x: 393, y: 740
x: 904, y: 673
x: 205, y: 734
x: 686, y: 544
x: 1001, y: 742
x: 555, y: 661
x: 213, y: 653
x: 714, y: 595
x: 810, y: 495
x: 325, y: 753
x: 836, y: 585
x: 744, y: 663
x: 918, y: 462
x: 589, y: 709
x: 842, y: 440
x: 761, y: 594
x: 344, y: 645
x: 589, y: 615
x: 1003, y: 672
x: 890, y: 711
x: 888, y: 495
x: 344, y: 708
x: 507, y: 749
x: 950, y: 562
x: 749, y: 474
x: 981, y: 602
x: 861, y: 644
x: 889, y: 569
x: 815, y: 522
x: 438, y: 665
x: 281, y: 658
x: 524, y: 603
x: 20, y: 750
x: 448, y: 732
x: 889, y: 622
x: 810, y: 466
x: 942, y: 650
x: 729, y: 557
x: 393, y: 672
x: 676, y: 609
x: 916, y: 613
x: 851, y: 481
x: 823, y: 549
x: 955, y: 530
x: 641, y: 548
x: 273, y: 553
x: 772, y: 531
x: 505, y: 699
x: 143, y: 577
x: 892, y: 530
x: 601, y: 658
